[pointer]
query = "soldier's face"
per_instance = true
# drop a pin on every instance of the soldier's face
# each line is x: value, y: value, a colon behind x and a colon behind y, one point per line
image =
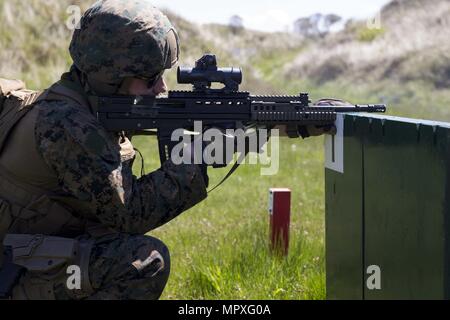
x: 139, y: 87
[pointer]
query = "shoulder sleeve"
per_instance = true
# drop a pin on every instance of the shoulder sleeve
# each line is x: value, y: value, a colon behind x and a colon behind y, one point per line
x: 86, y: 160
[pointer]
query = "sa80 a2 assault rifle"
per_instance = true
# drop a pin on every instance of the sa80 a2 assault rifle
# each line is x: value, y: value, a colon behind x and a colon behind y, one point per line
x: 225, y: 108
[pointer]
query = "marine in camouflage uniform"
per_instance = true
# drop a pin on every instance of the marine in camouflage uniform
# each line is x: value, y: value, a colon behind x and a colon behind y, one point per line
x: 67, y: 192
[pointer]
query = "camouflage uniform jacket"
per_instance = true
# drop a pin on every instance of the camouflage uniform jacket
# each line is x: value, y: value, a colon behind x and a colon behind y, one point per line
x: 93, y: 168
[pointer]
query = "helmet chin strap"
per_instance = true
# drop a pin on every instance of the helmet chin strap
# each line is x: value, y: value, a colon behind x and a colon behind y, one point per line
x: 173, y: 49
x: 102, y: 89
x: 124, y: 86
x: 95, y: 87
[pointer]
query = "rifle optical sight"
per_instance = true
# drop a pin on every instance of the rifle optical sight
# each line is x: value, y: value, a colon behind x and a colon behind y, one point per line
x: 206, y: 72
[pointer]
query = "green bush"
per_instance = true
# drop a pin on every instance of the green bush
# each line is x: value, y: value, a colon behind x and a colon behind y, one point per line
x: 370, y: 34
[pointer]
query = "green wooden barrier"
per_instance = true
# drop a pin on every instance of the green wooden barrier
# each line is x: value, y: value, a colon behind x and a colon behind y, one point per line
x: 388, y: 205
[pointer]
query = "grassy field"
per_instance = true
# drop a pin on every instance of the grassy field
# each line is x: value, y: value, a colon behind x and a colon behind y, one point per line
x: 220, y: 247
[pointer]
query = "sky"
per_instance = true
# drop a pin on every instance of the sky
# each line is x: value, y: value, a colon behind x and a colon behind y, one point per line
x: 268, y: 15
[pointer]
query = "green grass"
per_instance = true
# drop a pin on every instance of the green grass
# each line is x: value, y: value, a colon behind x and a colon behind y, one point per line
x: 409, y: 99
x: 270, y: 63
x: 370, y: 34
x: 220, y: 248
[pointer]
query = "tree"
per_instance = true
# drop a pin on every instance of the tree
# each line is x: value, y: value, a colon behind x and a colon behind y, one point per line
x: 236, y: 24
x: 316, y: 25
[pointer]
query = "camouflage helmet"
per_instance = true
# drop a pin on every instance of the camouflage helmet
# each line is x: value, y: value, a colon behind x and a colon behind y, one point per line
x: 124, y: 38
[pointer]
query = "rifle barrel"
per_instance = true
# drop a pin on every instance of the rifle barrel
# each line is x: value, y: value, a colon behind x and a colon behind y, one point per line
x: 352, y: 108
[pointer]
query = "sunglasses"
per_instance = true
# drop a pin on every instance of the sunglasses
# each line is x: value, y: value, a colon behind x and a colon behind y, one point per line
x: 151, y: 81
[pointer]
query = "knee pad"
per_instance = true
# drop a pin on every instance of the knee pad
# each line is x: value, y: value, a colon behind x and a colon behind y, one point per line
x: 129, y: 267
x: 155, y: 254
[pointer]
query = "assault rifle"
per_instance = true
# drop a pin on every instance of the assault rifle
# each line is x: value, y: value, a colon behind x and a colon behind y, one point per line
x: 224, y: 108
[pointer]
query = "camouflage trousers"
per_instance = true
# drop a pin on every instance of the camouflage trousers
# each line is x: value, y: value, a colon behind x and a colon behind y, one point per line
x: 121, y: 266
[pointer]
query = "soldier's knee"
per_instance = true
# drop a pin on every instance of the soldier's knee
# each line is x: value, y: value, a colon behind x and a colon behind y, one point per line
x: 154, y: 258
x: 138, y: 267
x: 152, y: 265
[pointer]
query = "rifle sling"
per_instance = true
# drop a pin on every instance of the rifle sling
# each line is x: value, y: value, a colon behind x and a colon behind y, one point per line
x: 232, y: 170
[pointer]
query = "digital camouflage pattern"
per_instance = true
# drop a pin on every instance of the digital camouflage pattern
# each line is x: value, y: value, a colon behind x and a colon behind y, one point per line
x: 112, y: 272
x: 123, y: 38
x: 94, y: 167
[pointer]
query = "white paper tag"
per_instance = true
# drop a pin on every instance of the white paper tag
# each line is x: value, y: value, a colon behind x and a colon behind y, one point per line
x: 270, y: 202
x: 334, y: 147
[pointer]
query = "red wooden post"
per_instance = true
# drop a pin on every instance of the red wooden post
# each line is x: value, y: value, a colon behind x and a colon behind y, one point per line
x: 280, y: 216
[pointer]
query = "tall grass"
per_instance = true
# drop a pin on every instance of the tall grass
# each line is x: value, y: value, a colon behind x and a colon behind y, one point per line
x: 34, y: 40
x: 220, y: 248
x: 411, y: 39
